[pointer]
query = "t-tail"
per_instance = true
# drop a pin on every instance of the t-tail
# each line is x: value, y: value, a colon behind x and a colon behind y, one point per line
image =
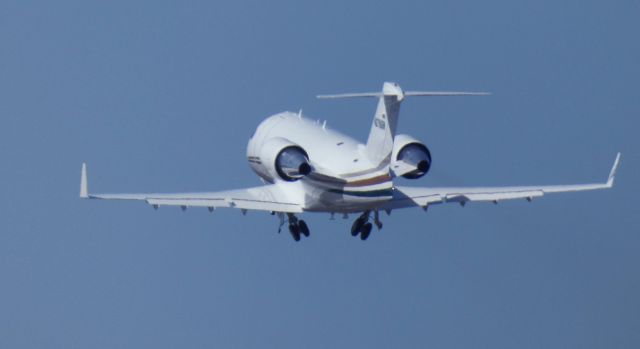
x: 385, y: 121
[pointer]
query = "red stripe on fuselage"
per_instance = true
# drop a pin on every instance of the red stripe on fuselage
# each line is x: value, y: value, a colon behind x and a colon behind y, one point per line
x: 369, y: 181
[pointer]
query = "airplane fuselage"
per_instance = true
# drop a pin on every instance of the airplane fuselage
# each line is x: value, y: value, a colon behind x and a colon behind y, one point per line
x: 343, y: 178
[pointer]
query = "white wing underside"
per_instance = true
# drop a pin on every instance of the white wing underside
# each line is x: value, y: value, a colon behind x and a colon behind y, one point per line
x: 272, y: 198
x: 411, y: 196
x: 422, y: 197
x: 264, y: 198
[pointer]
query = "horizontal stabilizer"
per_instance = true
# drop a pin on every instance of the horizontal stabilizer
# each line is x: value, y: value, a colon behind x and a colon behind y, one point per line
x: 351, y: 95
x: 403, y: 94
x: 444, y: 93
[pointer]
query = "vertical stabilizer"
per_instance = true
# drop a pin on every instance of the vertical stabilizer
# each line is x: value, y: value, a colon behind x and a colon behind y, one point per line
x: 385, y: 122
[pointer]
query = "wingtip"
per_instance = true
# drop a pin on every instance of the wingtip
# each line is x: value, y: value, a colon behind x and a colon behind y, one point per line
x: 84, y: 187
x: 614, y: 169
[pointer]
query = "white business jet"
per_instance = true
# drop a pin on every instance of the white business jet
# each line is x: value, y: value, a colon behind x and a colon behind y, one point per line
x: 308, y: 167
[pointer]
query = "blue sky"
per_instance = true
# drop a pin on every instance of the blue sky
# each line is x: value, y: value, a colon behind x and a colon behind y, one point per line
x: 163, y: 96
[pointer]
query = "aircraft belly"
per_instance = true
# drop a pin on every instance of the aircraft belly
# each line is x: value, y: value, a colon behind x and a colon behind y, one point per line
x: 341, y: 200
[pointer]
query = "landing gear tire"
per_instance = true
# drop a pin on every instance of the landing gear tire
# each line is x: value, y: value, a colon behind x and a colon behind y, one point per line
x: 304, y: 229
x: 366, y: 230
x: 294, y: 229
x: 357, y: 226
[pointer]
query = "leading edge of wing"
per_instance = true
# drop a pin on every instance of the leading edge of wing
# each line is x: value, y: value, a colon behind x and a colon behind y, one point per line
x: 423, y: 196
x: 263, y: 198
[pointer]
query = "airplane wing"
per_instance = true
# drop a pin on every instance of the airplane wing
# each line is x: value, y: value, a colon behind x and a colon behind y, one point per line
x: 423, y: 197
x: 263, y: 198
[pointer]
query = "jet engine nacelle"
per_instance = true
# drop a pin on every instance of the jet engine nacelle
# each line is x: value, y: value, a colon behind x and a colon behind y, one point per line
x: 410, y: 158
x: 284, y: 159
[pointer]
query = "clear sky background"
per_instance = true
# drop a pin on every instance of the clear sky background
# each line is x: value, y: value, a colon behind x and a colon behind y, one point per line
x: 163, y: 96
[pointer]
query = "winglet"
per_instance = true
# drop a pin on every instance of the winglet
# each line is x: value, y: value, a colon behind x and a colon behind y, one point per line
x: 614, y: 169
x: 84, y: 188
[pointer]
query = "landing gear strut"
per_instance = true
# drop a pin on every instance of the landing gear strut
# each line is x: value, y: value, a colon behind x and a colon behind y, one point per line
x: 362, y: 226
x: 376, y: 220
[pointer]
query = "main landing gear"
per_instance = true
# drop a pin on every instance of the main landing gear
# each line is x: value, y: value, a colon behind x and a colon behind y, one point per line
x: 362, y: 225
x: 297, y: 227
